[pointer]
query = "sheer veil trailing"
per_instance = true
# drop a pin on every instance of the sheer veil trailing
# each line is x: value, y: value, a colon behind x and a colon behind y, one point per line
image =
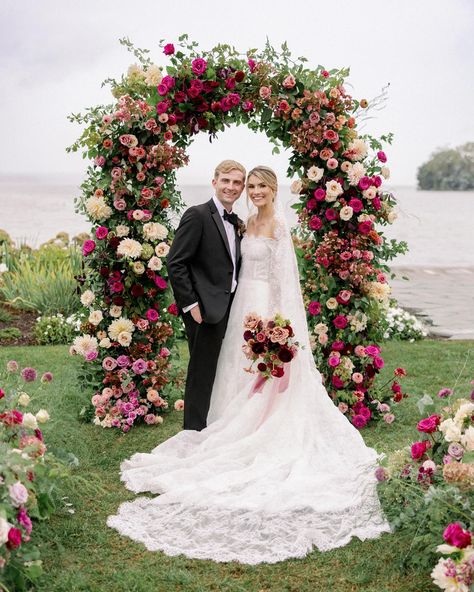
x: 249, y: 490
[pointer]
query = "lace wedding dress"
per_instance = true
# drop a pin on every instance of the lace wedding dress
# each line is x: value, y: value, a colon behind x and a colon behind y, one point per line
x: 256, y: 486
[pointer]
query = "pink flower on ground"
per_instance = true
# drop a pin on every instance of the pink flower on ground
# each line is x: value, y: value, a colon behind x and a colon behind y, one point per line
x: 14, y: 538
x: 429, y: 424
x: 179, y: 405
x: 152, y: 315
x: 25, y: 520
x: 445, y: 392
x: 359, y: 421
x: 418, y: 449
x: 455, y: 535
x: 47, y: 377
x: 381, y: 474
x: 149, y: 419
x: 12, y: 366
x: 29, y: 374
x: 389, y: 418
x: 168, y: 49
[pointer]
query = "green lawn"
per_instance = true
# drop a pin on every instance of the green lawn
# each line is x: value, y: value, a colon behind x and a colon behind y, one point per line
x: 82, y: 554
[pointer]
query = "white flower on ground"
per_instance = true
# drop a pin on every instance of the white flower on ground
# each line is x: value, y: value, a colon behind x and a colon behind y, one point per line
x: 87, y: 297
x: 24, y: 399
x: 467, y: 439
x: 129, y: 248
x: 42, y: 416
x: 29, y: 421
x: 18, y: 494
x: 118, y: 326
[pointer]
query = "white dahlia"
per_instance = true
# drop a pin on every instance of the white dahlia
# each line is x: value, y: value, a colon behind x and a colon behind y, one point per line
x: 118, y: 326
x: 84, y: 344
x: 355, y: 173
x: 87, y: 297
x: 357, y: 150
x: 97, y: 208
x: 129, y: 248
x: 155, y: 231
x: 122, y: 230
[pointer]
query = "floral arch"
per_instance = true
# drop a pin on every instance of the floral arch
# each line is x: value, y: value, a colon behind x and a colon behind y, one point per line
x: 130, y: 197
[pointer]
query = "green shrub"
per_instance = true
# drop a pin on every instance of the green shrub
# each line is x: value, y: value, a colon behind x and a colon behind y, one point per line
x: 10, y: 333
x: 56, y: 329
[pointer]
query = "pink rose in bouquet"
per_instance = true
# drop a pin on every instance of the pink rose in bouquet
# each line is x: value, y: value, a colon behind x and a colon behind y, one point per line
x: 456, y: 536
x: 429, y: 424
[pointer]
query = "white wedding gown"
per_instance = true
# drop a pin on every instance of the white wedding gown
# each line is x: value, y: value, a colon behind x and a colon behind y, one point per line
x: 249, y: 490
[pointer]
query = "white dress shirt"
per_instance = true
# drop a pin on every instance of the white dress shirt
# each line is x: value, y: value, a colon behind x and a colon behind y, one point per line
x: 230, y: 232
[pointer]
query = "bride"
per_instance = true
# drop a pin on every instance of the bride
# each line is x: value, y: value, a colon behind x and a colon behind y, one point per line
x: 261, y: 483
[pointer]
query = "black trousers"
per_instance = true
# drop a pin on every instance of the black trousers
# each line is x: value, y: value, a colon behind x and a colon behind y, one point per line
x: 204, y: 342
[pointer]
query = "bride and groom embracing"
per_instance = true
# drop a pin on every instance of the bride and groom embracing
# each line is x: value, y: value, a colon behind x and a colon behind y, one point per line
x: 240, y: 482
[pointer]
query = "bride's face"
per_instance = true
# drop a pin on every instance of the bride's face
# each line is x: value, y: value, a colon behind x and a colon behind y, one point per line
x: 259, y: 192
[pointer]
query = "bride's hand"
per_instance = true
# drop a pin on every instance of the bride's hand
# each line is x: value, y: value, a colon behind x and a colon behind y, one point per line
x: 196, y: 314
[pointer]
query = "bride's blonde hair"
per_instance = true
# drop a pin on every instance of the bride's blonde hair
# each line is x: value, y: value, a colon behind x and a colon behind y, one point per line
x: 267, y: 175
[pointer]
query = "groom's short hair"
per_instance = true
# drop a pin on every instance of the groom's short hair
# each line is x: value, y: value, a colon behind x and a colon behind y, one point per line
x: 229, y: 165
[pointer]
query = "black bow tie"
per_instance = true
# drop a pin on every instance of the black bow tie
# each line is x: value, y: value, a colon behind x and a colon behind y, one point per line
x: 232, y: 218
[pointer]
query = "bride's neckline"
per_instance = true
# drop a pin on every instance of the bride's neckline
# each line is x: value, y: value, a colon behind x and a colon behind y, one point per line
x: 259, y: 236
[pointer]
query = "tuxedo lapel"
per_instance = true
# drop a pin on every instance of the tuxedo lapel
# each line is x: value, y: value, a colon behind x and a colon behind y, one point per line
x: 238, y: 238
x: 220, y: 225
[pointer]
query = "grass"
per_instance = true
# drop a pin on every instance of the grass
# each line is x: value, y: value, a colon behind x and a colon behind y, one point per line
x: 81, y: 553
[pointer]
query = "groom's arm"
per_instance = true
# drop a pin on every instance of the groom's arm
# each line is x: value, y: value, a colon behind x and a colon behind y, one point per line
x: 182, y: 252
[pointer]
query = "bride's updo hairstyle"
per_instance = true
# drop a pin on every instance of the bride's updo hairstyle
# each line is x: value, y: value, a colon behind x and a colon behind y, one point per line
x: 267, y: 175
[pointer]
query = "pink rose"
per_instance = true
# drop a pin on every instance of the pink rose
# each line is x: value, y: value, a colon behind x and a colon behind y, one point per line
x: 364, y: 183
x: 142, y: 324
x: 456, y: 536
x: 247, y: 106
x: 315, y: 223
x: 340, y: 322
x: 357, y: 377
x: 109, y: 363
x: 331, y: 214
x: 356, y: 204
x: 88, y: 247
x: 319, y: 194
x: 164, y: 352
x: 382, y: 156
x: 289, y: 81
x: 359, y: 351
x: 152, y: 315
x: 91, y: 356
x: 372, y: 350
x: 314, y: 308
x: 99, y: 161
x: 179, y: 405
x: 101, y: 232
x: 365, y: 227
x: 359, y: 421
x: 311, y: 204
x: 120, y: 204
x: 160, y: 283
x: 429, y: 424
x: 418, y: 449
x: 14, y: 538
x: 198, y: 66
x: 332, y: 164
x: 168, y: 81
x: 265, y: 92
x: 168, y: 49
x: 139, y: 366
x: 337, y: 382
x: 378, y: 362
x: 389, y: 418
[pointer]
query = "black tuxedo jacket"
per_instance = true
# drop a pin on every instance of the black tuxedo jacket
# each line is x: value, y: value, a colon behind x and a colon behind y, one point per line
x: 199, y: 262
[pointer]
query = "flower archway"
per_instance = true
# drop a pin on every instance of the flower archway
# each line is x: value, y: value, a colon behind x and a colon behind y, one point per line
x: 130, y: 197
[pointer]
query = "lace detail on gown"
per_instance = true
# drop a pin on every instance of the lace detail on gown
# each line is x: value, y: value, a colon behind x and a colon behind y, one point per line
x: 251, y: 491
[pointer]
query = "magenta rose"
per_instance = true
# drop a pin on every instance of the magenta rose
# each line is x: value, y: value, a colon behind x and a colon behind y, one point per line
x: 247, y: 106
x: 337, y: 382
x: 331, y: 214
x: 101, y: 232
x: 14, y: 538
x: 198, y: 66
x: 372, y: 350
x: 88, y: 247
x: 314, y: 308
x: 377, y: 181
x: 319, y: 194
x: 418, y: 449
x: 162, y: 107
x: 123, y: 361
x: 365, y: 412
x: 356, y: 204
x: 365, y: 227
x: 160, y: 283
x: 334, y: 361
x: 338, y: 345
x: 173, y: 309
x: 359, y: 421
x: 382, y: 156
x: 152, y: 315
x: 364, y: 183
x: 169, y: 82
x: 378, y: 362
x: 429, y: 424
x: 311, y: 204
x: 456, y: 536
x: 340, y: 322
x: 162, y: 89
x: 315, y: 223
x: 168, y: 49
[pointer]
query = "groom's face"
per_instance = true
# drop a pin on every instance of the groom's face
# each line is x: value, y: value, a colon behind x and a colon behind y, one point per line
x: 228, y: 187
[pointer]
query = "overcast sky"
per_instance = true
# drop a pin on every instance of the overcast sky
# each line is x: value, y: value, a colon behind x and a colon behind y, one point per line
x: 54, y: 55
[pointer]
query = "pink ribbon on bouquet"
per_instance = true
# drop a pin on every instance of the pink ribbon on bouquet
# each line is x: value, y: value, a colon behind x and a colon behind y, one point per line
x: 279, y: 386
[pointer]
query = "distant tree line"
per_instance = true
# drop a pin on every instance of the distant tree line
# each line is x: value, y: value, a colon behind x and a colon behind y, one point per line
x: 448, y: 169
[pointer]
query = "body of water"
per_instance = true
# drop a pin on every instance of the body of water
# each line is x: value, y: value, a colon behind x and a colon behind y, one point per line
x: 438, y: 226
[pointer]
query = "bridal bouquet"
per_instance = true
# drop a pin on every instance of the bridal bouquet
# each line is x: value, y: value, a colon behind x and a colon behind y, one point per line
x: 270, y: 343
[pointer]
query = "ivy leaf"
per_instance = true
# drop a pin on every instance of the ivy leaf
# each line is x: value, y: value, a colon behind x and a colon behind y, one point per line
x: 266, y: 115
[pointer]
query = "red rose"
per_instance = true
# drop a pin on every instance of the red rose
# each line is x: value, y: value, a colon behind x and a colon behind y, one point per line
x: 455, y: 535
x: 278, y: 372
x: 14, y: 538
x: 262, y: 367
x: 168, y: 49
x: 315, y: 223
x: 429, y: 424
x: 337, y: 382
x: 173, y: 309
x: 239, y: 75
x: 418, y: 449
x: 365, y: 227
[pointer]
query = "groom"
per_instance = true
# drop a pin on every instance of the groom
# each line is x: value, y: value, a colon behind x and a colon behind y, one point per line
x: 203, y: 265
